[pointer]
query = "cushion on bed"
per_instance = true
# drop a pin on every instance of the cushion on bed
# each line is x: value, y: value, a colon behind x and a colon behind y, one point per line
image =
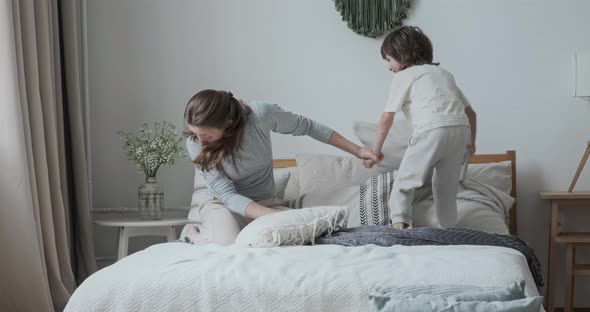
x: 292, y: 187
x: 459, y: 292
x: 292, y: 227
x: 281, y: 177
x: 460, y: 298
x: 328, y: 172
x: 498, y: 175
x: 368, y: 205
x: 404, y: 304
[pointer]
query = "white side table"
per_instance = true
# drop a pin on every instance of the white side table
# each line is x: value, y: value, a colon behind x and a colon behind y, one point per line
x: 130, y: 227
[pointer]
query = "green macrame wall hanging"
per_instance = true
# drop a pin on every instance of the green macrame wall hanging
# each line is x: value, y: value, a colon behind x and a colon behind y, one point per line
x: 372, y: 18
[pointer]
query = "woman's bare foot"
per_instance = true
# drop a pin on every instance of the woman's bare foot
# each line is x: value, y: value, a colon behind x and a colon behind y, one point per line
x: 400, y: 226
x: 189, y: 232
x: 192, y: 229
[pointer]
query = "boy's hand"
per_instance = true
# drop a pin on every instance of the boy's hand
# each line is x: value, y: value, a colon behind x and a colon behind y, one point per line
x: 471, y: 148
x: 379, y: 155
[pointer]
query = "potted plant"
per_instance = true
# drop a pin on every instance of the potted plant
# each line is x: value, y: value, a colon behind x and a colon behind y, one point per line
x: 151, y: 148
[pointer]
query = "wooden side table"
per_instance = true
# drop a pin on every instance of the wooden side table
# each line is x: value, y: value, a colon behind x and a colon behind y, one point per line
x: 130, y: 227
x: 571, y: 239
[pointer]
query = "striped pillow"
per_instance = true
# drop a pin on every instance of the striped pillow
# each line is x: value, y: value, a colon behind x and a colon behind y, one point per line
x: 367, y: 204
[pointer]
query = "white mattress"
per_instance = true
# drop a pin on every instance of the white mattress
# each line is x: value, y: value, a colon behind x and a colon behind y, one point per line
x: 183, y: 277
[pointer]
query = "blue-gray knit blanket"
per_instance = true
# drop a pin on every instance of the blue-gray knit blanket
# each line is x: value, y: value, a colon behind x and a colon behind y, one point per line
x: 388, y: 236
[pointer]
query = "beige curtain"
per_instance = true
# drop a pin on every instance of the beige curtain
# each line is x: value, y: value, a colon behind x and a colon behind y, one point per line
x: 46, y: 222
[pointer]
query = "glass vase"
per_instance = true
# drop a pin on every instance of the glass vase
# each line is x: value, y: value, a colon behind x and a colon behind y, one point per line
x: 150, y: 200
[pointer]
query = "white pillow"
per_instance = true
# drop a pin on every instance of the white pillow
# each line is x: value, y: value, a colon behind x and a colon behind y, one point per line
x: 395, y: 143
x: 328, y: 173
x: 292, y: 227
x: 498, y: 175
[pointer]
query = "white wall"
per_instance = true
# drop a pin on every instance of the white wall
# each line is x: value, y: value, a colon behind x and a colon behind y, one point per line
x: 511, y: 58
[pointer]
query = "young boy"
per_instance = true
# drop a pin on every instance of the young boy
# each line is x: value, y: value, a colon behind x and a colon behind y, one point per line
x: 443, y: 122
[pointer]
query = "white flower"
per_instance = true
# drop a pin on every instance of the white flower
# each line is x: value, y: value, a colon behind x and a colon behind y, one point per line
x: 152, y: 148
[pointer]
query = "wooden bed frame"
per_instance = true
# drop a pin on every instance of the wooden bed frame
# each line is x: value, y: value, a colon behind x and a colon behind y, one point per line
x: 475, y: 159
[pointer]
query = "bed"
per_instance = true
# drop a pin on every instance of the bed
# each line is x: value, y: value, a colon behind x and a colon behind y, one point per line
x: 178, y: 276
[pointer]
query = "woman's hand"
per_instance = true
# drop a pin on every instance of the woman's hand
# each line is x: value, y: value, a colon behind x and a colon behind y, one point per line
x: 361, y: 152
x: 255, y: 210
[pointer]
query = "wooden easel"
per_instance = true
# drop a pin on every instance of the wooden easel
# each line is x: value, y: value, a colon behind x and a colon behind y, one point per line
x: 580, y: 167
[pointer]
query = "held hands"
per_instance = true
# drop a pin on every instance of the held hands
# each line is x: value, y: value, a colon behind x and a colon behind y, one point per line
x: 369, y: 163
x: 366, y: 153
x: 369, y: 157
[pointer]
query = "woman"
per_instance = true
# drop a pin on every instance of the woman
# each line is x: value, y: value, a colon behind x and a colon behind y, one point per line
x: 229, y: 141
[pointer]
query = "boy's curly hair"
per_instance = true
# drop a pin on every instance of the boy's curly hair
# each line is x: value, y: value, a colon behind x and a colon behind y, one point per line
x: 409, y: 46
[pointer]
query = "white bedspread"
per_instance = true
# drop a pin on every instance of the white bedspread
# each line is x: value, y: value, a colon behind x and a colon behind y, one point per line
x: 183, y: 277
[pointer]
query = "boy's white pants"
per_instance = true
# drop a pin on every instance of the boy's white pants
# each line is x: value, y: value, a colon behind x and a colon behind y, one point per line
x: 437, y: 155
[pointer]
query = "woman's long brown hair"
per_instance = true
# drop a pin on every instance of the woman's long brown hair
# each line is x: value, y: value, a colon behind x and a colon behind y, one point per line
x: 217, y: 109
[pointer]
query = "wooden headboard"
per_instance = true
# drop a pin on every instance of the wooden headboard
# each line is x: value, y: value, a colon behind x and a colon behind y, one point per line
x: 475, y: 159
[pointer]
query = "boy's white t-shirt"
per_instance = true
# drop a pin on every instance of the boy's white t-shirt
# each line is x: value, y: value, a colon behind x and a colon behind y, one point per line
x: 429, y: 98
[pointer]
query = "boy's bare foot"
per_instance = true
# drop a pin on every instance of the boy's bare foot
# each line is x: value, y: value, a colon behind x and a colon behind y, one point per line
x: 400, y: 226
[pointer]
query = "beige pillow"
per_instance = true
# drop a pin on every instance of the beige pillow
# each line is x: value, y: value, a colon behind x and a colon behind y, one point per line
x: 498, y: 175
x: 281, y: 177
x: 327, y: 173
x: 368, y: 204
x: 292, y: 188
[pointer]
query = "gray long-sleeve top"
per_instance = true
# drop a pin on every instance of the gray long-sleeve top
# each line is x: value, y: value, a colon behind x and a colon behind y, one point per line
x: 253, y: 179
